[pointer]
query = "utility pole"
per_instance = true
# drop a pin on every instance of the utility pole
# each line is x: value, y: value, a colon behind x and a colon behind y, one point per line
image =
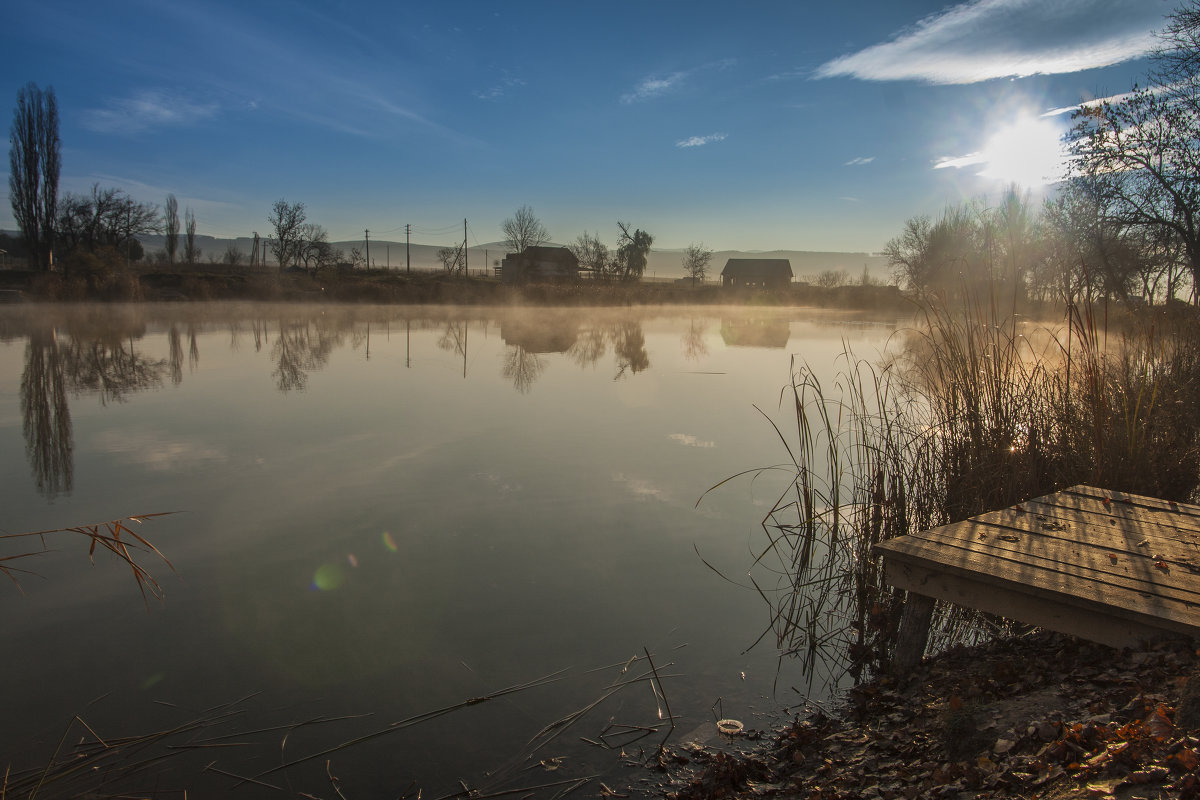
x: 466, y: 265
x: 367, y: 234
x: 407, y: 255
x: 389, y: 255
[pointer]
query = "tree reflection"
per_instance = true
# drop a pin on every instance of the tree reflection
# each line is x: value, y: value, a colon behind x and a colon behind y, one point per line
x: 522, y: 368
x: 629, y: 344
x: 175, y: 358
x: 299, y: 349
x: 109, y: 369
x: 589, y: 347
x: 694, y: 346
x: 46, y: 416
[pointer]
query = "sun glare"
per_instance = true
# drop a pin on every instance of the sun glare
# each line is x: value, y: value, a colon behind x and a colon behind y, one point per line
x: 1028, y: 152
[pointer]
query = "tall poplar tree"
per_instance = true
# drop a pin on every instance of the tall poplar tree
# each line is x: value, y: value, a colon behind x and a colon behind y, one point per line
x: 35, y: 160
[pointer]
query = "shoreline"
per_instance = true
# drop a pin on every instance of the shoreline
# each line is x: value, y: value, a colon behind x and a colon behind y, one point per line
x: 1043, y: 715
x: 398, y: 288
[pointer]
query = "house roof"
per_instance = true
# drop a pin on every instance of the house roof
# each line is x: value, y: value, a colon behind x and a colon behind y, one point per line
x: 758, y: 268
x: 543, y: 253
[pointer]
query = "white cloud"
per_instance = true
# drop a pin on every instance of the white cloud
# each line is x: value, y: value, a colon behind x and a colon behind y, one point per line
x: 658, y: 85
x: 854, y: 162
x: 986, y: 39
x: 959, y: 161
x: 688, y: 440
x: 700, y: 141
x: 653, y: 87
x: 145, y: 110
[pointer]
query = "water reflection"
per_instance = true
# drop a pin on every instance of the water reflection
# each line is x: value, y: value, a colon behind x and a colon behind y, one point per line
x: 46, y: 416
x: 529, y: 338
x: 113, y: 352
x: 300, y: 348
x: 694, y: 346
x: 755, y: 331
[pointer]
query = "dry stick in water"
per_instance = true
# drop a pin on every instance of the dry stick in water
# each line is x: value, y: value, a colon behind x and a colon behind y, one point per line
x: 663, y: 693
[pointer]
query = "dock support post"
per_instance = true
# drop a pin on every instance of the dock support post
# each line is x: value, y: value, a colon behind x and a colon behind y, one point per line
x: 914, y: 633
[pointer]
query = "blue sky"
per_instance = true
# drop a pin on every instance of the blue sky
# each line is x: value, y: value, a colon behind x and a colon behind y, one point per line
x: 756, y: 125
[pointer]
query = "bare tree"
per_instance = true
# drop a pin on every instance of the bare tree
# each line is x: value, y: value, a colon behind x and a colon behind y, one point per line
x: 171, y: 227
x: 191, y: 252
x: 591, y: 252
x: 35, y: 160
x: 451, y: 258
x: 832, y: 278
x: 314, y: 250
x: 1144, y: 148
x: 522, y: 230
x: 286, y: 218
x: 105, y: 218
x: 695, y: 262
x: 233, y: 256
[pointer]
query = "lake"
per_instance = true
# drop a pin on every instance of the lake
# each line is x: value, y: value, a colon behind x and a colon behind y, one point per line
x: 386, y: 511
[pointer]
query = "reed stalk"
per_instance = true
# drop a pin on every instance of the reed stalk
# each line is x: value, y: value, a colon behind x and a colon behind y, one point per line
x: 976, y: 409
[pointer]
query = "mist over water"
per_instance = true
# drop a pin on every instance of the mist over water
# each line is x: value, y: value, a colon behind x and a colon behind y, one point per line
x: 389, y: 510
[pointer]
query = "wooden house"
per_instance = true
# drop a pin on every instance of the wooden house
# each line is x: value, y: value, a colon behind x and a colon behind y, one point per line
x: 534, y: 264
x: 757, y: 273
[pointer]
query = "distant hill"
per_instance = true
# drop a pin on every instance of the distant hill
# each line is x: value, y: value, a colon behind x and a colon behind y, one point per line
x: 661, y: 263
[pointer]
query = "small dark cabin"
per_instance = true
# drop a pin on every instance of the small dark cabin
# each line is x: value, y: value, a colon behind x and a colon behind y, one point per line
x: 540, y: 264
x: 757, y: 273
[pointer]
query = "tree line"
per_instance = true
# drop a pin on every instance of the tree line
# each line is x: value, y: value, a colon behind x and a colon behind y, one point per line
x: 100, y: 231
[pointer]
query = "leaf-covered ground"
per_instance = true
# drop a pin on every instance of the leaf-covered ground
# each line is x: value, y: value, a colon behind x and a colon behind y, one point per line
x: 1043, y: 715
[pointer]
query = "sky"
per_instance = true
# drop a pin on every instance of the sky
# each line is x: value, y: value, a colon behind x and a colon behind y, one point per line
x: 760, y: 125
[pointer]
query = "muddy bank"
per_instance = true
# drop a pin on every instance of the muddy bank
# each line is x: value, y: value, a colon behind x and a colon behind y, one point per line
x: 1043, y: 715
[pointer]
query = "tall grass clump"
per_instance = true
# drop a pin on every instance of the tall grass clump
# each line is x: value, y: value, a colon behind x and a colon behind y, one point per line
x: 975, y: 409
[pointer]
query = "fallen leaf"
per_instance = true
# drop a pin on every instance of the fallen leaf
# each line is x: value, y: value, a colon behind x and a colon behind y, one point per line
x: 1008, y: 537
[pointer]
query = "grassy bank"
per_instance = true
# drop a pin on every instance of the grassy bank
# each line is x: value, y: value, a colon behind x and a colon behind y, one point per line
x: 390, y: 286
x: 977, y: 410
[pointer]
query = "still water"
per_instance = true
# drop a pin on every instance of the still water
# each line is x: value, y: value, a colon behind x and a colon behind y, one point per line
x: 388, y: 511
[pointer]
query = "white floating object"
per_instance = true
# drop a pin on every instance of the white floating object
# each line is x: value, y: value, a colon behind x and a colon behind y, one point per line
x: 730, y: 727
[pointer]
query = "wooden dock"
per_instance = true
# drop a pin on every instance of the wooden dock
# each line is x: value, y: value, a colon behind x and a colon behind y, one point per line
x: 1106, y: 566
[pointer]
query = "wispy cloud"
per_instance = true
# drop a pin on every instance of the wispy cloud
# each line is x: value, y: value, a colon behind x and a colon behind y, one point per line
x: 958, y: 162
x: 855, y: 162
x: 498, y: 91
x: 700, y: 141
x: 657, y: 85
x: 986, y: 39
x: 1098, y: 101
x: 653, y: 87
x: 147, y: 110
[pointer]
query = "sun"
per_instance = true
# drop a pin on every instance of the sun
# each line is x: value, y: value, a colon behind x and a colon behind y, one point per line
x: 1028, y: 151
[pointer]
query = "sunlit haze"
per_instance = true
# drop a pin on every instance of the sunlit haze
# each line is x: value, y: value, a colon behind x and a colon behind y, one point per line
x: 756, y: 127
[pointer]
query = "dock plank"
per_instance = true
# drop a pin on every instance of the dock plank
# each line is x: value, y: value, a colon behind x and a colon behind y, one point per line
x: 1107, y: 566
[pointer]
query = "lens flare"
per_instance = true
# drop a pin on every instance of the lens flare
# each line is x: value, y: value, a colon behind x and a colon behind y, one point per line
x: 327, y: 578
x: 389, y: 542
